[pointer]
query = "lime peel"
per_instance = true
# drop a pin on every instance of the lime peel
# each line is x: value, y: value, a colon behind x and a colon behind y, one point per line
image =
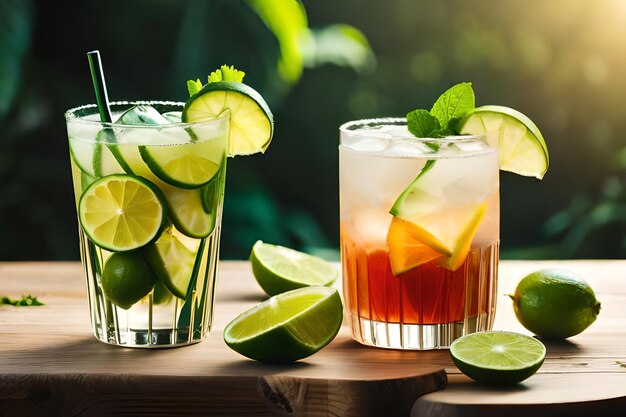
x: 287, y: 327
x: 278, y: 269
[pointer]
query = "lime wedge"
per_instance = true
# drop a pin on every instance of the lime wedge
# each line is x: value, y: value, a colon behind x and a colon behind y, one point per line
x: 160, y: 294
x: 287, y: 327
x: 251, y: 121
x: 278, y: 269
x: 172, y: 263
x: 122, y: 212
x: 521, y: 146
x: 498, y: 358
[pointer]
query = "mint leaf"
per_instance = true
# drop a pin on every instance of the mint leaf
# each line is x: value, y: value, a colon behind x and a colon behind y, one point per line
x: 421, y: 123
x: 455, y: 103
x: 194, y: 87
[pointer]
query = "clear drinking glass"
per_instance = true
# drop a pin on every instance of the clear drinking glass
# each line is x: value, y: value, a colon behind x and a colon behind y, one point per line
x: 429, y: 305
x: 160, y: 319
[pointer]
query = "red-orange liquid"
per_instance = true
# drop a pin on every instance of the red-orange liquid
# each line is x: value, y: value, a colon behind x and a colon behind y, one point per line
x: 428, y: 294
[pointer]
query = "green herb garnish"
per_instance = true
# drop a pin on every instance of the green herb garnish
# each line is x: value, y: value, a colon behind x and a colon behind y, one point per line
x: 223, y: 73
x: 25, y: 301
x: 442, y: 119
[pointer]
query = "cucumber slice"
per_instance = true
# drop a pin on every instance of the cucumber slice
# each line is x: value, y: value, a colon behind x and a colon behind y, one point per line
x: 185, y: 206
x: 172, y: 263
x: 188, y: 166
x: 95, y: 158
x: 82, y: 154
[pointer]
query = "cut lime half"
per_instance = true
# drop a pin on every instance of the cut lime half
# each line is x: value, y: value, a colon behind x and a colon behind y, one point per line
x: 287, y: 327
x: 122, y: 212
x: 278, y: 269
x: 498, y: 358
x: 521, y: 146
x: 251, y: 121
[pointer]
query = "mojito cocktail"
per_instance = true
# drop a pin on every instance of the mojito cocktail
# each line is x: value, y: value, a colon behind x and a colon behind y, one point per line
x: 419, y: 234
x: 149, y: 192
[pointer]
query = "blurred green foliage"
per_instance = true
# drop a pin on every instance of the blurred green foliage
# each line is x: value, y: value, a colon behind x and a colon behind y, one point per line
x: 560, y: 62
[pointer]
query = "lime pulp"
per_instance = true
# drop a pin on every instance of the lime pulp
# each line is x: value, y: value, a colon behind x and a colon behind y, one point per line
x: 498, y: 357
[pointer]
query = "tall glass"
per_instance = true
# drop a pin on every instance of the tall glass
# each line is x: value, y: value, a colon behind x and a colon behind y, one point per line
x: 431, y: 304
x: 163, y: 317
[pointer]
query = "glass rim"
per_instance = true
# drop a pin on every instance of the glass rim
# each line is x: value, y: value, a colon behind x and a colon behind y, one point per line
x: 70, y: 115
x: 348, y: 128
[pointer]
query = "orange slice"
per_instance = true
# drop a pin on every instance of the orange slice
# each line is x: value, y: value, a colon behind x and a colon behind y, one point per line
x: 444, y: 237
x: 405, y: 251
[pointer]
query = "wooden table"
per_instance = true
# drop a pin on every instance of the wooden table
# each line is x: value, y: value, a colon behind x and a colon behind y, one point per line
x: 50, y: 364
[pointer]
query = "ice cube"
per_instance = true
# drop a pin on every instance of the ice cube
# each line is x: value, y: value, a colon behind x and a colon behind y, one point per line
x: 407, y: 149
x: 173, y: 116
x: 368, y: 145
x: 400, y: 131
x: 142, y: 115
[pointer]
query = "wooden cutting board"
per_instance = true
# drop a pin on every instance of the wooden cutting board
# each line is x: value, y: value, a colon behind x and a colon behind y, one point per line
x: 50, y: 364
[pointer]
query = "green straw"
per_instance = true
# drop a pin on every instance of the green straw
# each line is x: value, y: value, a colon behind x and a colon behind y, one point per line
x: 99, y: 86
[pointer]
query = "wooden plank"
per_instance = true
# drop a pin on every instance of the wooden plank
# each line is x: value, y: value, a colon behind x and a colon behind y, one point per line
x: 50, y: 364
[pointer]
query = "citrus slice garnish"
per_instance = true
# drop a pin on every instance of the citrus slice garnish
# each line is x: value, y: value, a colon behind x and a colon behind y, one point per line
x: 122, y: 212
x: 498, y: 358
x: 405, y: 251
x: 288, y: 326
x: 521, y: 146
x: 251, y: 121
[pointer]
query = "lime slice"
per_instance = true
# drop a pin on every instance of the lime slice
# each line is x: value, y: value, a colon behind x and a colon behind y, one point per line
x: 126, y: 279
x: 191, y: 165
x: 251, y: 121
x: 521, y: 146
x: 185, y: 207
x: 172, y: 262
x: 278, y: 269
x: 287, y: 327
x: 498, y: 358
x: 122, y: 212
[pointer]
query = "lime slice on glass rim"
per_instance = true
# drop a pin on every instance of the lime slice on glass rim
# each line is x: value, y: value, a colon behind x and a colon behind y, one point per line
x: 287, y: 327
x: 498, y: 358
x: 251, y: 121
x: 278, y: 269
x: 521, y: 147
x: 122, y: 212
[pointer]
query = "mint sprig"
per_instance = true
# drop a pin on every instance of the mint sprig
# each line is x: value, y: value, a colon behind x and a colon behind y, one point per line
x: 25, y: 301
x: 223, y: 73
x: 443, y: 117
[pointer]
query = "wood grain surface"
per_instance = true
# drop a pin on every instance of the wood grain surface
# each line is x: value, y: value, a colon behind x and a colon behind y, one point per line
x: 50, y: 364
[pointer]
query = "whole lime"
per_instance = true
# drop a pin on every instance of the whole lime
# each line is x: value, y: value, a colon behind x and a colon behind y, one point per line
x: 127, y: 278
x: 555, y: 304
